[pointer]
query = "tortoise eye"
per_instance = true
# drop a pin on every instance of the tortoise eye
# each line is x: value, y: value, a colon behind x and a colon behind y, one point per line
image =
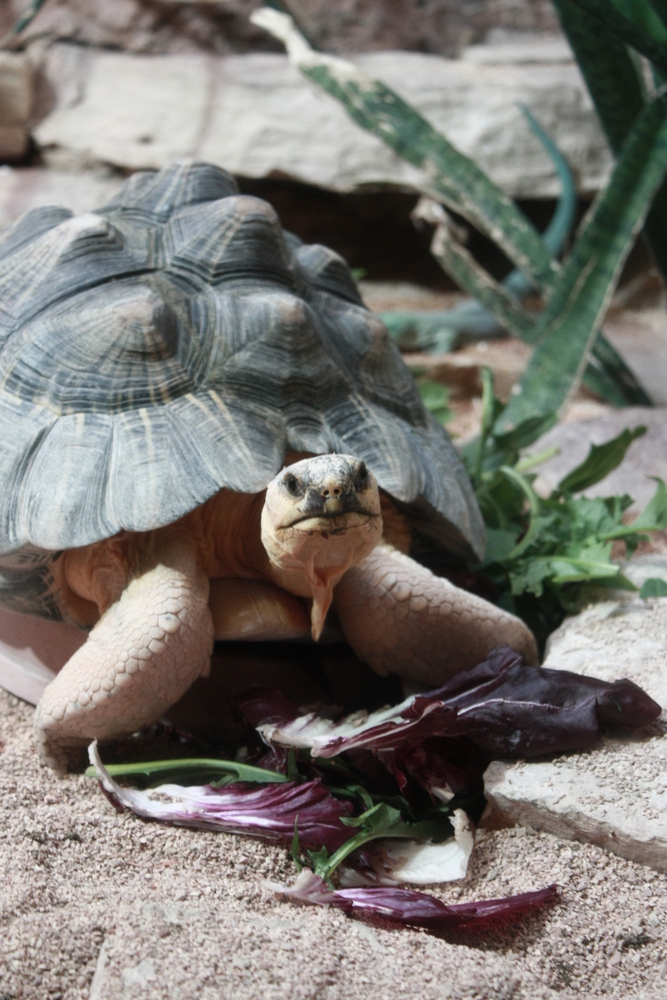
x: 292, y: 485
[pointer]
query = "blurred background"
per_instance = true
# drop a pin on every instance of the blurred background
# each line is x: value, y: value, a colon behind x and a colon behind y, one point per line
x: 92, y: 90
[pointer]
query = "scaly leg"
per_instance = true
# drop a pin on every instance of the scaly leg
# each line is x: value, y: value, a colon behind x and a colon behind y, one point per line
x: 399, y: 618
x: 142, y: 655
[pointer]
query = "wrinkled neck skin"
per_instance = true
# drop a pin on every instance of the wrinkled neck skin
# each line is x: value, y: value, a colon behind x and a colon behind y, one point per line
x: 309, y: 563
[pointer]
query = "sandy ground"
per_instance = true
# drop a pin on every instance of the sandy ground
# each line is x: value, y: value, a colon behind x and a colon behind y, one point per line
x: 103, y: 905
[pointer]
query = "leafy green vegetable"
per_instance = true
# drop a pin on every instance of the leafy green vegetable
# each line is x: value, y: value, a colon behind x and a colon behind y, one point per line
x: 583, y: 291
x: 544, y: 554
x: 381, y: 820
x: 600, y: 462
x: 654, y: 587
x: 435, y: 397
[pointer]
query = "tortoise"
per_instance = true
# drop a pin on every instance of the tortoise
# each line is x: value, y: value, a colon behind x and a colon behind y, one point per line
x: 207, y: 434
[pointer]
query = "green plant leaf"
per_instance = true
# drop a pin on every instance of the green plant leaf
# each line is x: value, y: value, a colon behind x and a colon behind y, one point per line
x: 382, y: 820
x: 588, y: 278
x: 654, y: 515
x: 626, y: 30
x: 435, y: 397
x: 654, y: 587
x: 449, y: 175
x: 204, y: 769
x: 468, y: 274
x: 599, y: 462
x: 660, y: 7
x: 616, y: 86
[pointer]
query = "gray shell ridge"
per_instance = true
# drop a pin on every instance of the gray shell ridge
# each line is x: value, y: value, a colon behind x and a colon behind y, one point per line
x: 175, y: 342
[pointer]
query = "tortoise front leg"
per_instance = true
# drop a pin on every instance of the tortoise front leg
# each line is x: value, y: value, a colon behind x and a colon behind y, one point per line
x: 142, y: 655
x: 400, y: 618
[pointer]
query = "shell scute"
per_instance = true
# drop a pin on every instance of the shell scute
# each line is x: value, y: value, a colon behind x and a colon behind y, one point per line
x: 108, y: 349
x: 237, y: 239
x: 327, y: 272
x: 156, y: 197
x: 32, y: 225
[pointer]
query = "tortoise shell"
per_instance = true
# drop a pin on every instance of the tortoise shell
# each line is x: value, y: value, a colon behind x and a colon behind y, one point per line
x: 176, y: 342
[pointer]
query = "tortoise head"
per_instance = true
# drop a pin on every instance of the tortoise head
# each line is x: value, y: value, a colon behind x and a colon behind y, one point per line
x: 320, y: 516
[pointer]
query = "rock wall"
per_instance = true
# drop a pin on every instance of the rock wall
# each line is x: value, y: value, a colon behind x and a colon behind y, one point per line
x: 160, y: 26
x: 256, y: 116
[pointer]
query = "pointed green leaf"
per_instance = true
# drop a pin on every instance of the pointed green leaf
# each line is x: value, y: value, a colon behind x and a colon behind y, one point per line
x: 599, y: 462
x: 625, y: 29
x: 654, y: 515
x: 587, y: 280
x: 617, y: 90
x: 205, y: 769
x: 449, y: 175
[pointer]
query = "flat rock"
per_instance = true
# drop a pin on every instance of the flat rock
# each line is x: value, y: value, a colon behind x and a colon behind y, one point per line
x: 257, y: 116
x: 615, y: 795
x: 626, y: 637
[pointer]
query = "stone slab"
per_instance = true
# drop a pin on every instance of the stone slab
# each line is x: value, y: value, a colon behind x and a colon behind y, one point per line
x: 615, y: 795
x: 625, y: 637
x: 256, y: 116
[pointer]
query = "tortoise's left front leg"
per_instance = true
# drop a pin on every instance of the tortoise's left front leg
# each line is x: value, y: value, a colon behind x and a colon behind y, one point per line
x: 400, y: 618
x: 143, y: 654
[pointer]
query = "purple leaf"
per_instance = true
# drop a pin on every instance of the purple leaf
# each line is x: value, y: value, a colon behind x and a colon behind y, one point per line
x: 408, y: 908
x: 506, y: 708
x: 513, y: 710
x: 413, y: 721
x: 263, y: 810
x: 445, y: 766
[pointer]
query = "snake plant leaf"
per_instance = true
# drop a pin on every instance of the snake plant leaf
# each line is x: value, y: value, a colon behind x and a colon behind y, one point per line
x: 449, y: 175
x: 470, y: 321
x: 660, y: 7
x: 587, y: 280
x: 645, y: 15
x: 23, y: 21
x: 617, y: 91
x: 468, y: 274
x: 627, y: 30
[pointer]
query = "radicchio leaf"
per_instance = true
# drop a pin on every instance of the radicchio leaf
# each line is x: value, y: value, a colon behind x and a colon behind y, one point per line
x: 505, y: 707
x: 408, y: 908
x: 510, y: 709
x: 262, y: 810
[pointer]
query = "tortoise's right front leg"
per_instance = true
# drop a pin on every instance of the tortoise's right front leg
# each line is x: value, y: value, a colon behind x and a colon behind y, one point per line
x: 143, y: 654
x: 400, y: 618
